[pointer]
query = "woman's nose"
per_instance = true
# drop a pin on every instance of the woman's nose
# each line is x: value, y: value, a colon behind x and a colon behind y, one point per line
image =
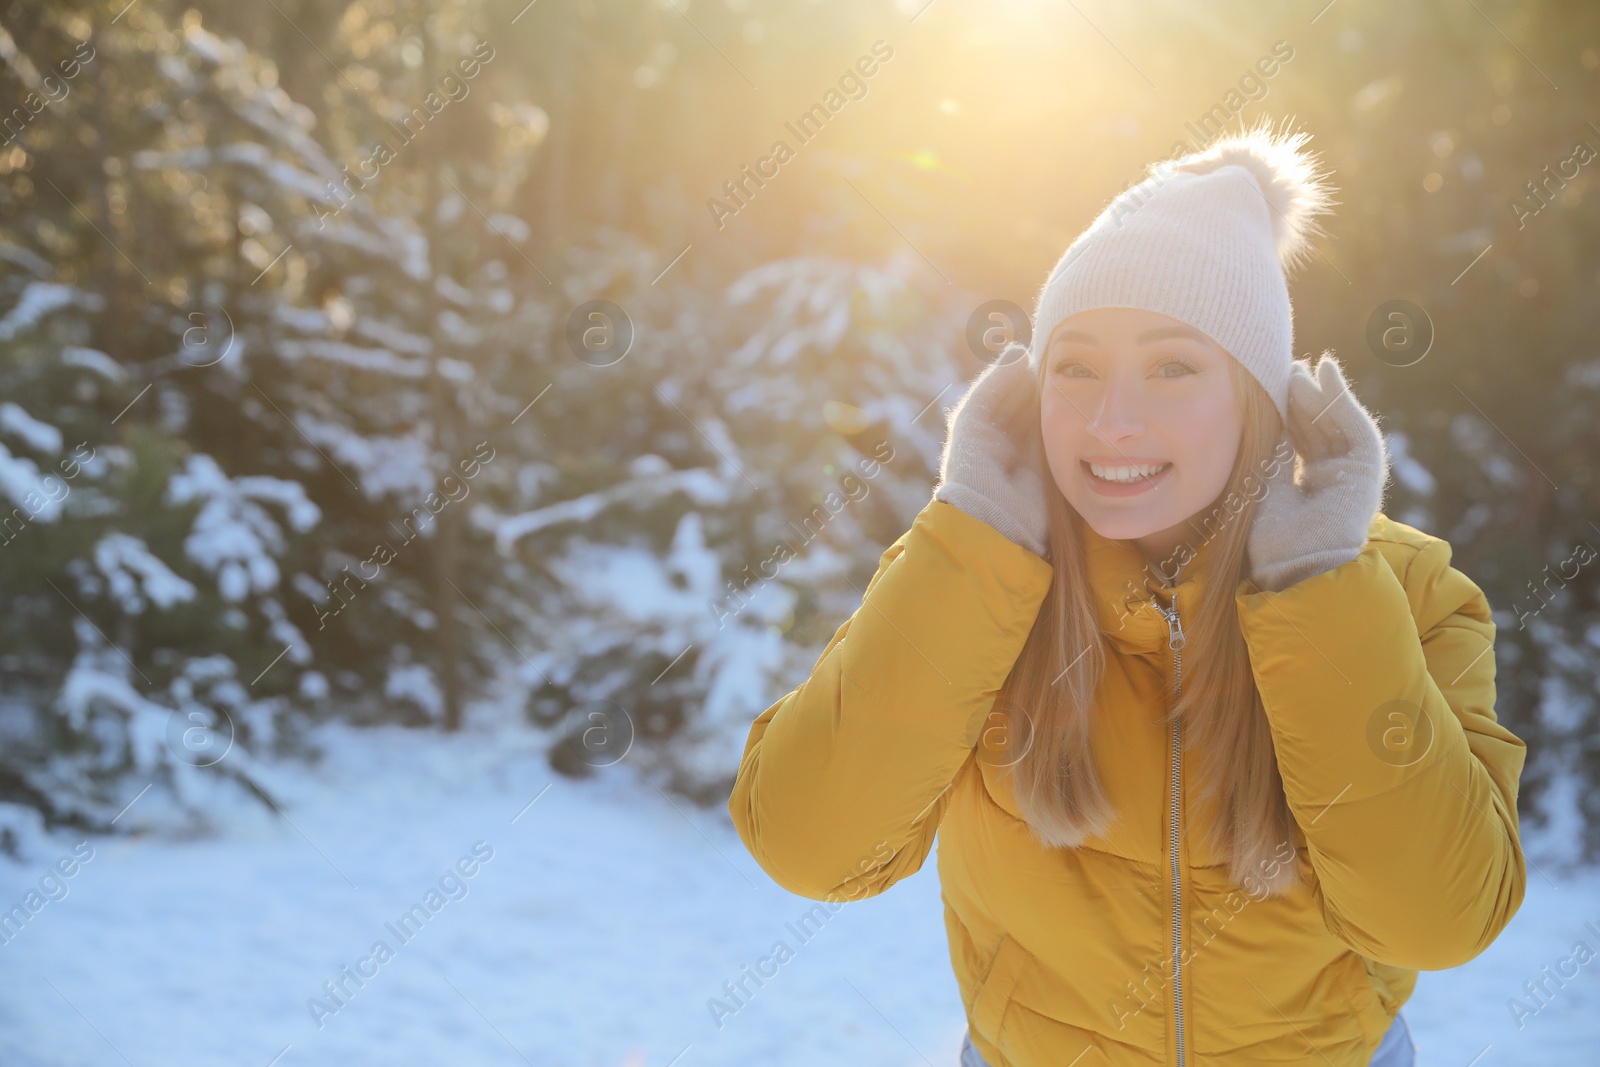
x: 1117, y: 415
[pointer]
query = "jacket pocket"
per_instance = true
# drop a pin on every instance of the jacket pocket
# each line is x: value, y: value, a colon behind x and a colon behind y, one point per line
x: 994, y: 993
x: 1372, y: 1014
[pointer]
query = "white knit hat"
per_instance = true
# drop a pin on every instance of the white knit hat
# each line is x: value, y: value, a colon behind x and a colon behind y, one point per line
x: 1209, y: 240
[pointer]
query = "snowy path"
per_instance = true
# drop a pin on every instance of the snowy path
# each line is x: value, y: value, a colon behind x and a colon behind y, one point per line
x: 594, y: 936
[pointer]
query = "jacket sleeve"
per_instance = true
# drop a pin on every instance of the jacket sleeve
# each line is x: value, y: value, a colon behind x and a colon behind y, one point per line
x: 1380, y: 693
x: 843, y: 781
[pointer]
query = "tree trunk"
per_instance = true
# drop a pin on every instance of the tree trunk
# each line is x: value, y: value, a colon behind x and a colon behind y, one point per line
x: 110, y: 335
x: 445, y: 557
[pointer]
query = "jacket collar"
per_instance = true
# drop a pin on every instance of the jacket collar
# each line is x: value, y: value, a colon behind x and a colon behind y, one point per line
x: 1127, y: 590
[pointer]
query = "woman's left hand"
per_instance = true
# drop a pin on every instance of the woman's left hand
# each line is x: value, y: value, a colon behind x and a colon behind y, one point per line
x: 1303, y: 529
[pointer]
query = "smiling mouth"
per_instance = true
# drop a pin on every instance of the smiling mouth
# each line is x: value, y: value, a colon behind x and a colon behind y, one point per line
x: 1131, y: 474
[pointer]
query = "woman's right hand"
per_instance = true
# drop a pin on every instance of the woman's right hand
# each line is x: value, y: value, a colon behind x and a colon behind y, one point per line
x: 988, y: 468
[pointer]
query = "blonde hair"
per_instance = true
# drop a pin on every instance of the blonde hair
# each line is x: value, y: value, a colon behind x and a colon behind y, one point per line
x: 1050, y: 692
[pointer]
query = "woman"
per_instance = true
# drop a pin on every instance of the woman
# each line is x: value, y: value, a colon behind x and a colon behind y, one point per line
x: 1163, y: 677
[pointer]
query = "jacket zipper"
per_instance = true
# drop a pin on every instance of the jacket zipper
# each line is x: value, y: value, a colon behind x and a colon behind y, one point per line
x: 1175, y: 642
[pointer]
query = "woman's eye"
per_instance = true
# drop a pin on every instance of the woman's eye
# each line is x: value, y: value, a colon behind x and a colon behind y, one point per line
x: 1174, y: 368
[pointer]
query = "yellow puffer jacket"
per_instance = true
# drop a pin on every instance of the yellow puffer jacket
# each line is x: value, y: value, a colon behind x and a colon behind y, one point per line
x: 845, y: 780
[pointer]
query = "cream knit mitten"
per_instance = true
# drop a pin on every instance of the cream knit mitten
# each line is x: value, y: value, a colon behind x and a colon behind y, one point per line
x: 1306, y: 528
x: 988, y: 469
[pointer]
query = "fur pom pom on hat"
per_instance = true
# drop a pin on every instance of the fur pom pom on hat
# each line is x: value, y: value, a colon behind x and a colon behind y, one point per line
x: 1208, y: 239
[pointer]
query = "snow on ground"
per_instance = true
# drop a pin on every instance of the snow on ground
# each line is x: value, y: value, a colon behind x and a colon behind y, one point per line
x: 594, y: 933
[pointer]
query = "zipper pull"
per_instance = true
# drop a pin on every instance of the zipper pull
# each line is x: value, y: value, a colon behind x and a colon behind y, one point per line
x: 1175, y: 637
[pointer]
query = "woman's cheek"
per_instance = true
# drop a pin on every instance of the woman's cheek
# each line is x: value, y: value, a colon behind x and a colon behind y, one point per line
x: 1056, y: 417
x: 1199, y: 424
x: 1049, y: 429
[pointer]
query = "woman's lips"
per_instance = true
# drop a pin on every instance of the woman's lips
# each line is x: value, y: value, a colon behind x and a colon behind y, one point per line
x: 1108, y: 488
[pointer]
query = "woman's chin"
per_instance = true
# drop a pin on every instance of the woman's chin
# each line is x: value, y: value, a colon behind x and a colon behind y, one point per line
x: 1120, y: 526
x: 1126, y: 518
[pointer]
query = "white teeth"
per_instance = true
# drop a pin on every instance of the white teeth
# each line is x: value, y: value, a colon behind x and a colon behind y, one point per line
x: 1127, y: 474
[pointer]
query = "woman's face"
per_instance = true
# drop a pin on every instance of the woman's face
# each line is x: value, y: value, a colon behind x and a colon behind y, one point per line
x: 1125, y: 391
